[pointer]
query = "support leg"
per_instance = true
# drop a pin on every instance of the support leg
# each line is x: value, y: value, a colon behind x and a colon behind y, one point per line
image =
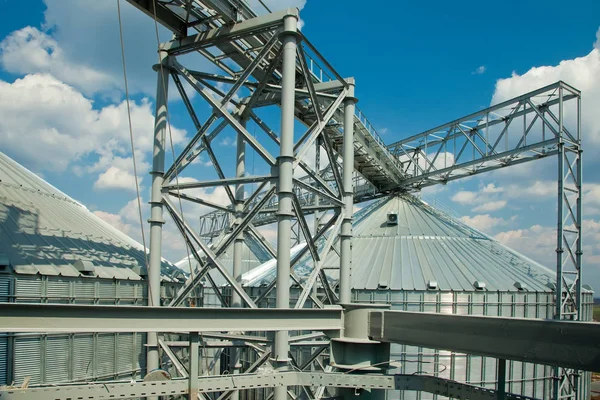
x: 194, y: 366
x: 348, y: 165
x: 284, y: 191
x: 156, y: 217
x: 236, y: 300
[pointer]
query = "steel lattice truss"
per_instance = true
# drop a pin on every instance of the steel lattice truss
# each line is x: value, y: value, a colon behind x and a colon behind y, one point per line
x: 265, y: 61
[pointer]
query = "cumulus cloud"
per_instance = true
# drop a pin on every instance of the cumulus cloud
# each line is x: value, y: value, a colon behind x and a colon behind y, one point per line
x: 581, y: 72
x: 490, y: 206
x: 40, y: 115
x: 486, y: 199
x: 464, y: 197
x: 28, y: 50
x: 115, y: 178
x: 116, y: 221
x: 483, y: 222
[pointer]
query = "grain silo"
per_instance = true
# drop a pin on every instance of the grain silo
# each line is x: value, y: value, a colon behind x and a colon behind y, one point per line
x: 416, y: 258
x: 53, y: 250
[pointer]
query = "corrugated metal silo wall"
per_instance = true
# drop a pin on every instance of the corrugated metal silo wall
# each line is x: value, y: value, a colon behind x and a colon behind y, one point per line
x: 72, y: 357
x: 522, y: 378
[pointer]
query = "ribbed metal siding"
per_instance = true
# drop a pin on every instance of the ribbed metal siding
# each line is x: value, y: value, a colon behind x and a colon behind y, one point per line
x: 28, y: 359
x: 58, y: 290
x: 3, y: 359
x: 29, y: 289
x: 84, y: 291
x: 105, y: 355
x: 57, y: 359
x: 125, y: 353
x: 5, y: 280
x: 83, y: 357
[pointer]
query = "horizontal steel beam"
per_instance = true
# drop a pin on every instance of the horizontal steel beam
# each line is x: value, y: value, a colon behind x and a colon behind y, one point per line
x: 228, y: 33
x: 175, y: 387
x: 86, y: 318
x: 562, y: 343
x: 164, y: 16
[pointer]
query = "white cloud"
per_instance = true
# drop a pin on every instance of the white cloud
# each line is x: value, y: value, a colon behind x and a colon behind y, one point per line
x: 464, y: 197
x: 581, y: 72
x: 483, y: 222
x: 532, y: 191
x: 490, y: 206
x: 492, y: 188
x: 591, y: 198
x: 486, y: 199
x: 116, y: 221
x: 29, y: 50
x: 41, y: 115
x: 479, y: 71
x: 115, y: 178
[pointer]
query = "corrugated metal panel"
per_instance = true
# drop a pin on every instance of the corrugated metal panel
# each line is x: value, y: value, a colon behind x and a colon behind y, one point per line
x: 84, y: 290
x: 5, y: 283
x: 107, y: 290
x: 140, y: 350
x: 29, y: 289
x: 83, y: 357
x: 3, y: 359
x: 125, y: 351
x: 58, y: 290
x: 57, y: 359
x: 127, y: 292
x: 105, y: 354
x: 28, y: 359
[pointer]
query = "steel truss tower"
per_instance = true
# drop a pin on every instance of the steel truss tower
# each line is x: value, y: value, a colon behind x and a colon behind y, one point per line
x: 280, y: 66
x: 265, y: 61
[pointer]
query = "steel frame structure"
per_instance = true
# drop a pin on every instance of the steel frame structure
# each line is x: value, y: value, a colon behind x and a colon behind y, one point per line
x: 265, y: 60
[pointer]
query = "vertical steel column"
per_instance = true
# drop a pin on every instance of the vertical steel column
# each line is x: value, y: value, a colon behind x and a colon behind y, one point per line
x: 317, y: 214
x: 348, y: 166
x: 284, y: 189
x: 579, y: 184
x: 156, y: 206
x: 194, y: 365
x: 501, y: 379
x: 560, y: 212
x: 236, y: 300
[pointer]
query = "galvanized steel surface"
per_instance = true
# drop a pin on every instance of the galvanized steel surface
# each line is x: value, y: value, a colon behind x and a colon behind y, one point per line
x: 44, y: 231
x: 426, y: 250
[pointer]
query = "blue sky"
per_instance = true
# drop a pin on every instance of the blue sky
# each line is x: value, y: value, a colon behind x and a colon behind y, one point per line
x: 62, y: 113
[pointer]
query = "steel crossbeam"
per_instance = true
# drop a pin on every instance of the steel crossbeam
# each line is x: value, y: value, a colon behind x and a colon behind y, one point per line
x: 228, y: 383
x: 49, y: 318
x: 550, y: 342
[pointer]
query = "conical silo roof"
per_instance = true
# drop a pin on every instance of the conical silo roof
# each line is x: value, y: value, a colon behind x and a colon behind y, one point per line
x: 426, y: 249
x: 427, y: 246
x: 44, y: 231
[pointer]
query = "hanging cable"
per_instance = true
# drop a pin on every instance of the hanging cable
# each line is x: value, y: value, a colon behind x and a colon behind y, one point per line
x: 135, y: 174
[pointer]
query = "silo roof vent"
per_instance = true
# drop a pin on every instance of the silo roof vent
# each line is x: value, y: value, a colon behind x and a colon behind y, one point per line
x: 432, y: 285
x: 520, y: 286
x: 85, y: 267
x: 392, y: 218
x: 479, y: 285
